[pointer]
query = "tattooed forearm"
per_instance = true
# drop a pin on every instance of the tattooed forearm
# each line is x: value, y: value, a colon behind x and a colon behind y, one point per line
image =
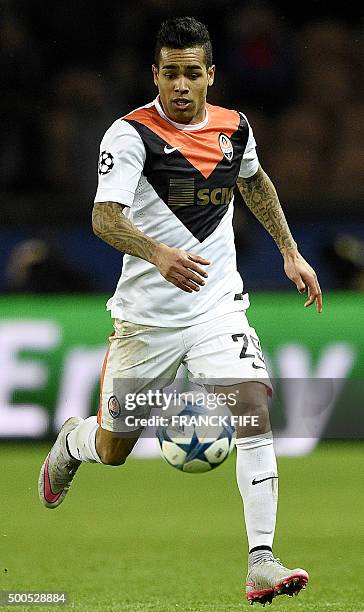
x: 261, y: 197
x: 109, y: 224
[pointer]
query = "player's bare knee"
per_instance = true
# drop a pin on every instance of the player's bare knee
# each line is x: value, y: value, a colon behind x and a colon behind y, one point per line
x: 113, y: 456
x: 113, y: 450
x: 253, y: 405
x: 255, y: 420
x: 112, y: 460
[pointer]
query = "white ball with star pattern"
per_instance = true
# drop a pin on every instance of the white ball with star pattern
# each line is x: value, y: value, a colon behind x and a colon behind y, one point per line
x: 198, y: 442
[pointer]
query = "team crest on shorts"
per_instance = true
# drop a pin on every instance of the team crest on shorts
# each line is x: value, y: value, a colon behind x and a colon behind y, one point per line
x: 114, y: 407
x: 226, y: 146
x: 106, y: 162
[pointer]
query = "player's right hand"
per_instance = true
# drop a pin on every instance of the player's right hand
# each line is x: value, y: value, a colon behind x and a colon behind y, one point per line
x: 180, y: 267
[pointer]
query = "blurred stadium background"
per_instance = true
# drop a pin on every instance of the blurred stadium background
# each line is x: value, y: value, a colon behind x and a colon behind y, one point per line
x: 67, y: 70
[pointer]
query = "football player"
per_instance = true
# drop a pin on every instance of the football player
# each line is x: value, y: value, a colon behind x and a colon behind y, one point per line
x: 167, y: 173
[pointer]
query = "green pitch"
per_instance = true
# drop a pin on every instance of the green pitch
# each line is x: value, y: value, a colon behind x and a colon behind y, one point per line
x: 145, y: 537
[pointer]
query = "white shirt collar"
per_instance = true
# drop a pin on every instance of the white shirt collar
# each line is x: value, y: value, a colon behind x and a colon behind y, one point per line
x: 190, y: 127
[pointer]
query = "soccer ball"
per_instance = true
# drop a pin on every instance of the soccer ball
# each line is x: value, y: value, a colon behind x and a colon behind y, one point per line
x: 196, y: 439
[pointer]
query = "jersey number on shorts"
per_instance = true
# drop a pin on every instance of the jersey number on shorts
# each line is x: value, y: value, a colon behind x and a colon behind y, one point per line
x: 256, y: 345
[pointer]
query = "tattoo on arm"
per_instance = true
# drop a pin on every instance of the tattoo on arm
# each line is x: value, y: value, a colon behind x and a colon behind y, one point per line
x: 109, y: 224
x: 261, y: 197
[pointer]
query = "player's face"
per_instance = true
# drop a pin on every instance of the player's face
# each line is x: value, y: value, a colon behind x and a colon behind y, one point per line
x: 182, y: 78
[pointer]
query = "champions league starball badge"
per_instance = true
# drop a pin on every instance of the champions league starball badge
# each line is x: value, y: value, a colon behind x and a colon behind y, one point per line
x: 106, y: 162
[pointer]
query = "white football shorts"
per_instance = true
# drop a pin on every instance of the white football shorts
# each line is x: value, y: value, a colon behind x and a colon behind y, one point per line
x: 223, y: 351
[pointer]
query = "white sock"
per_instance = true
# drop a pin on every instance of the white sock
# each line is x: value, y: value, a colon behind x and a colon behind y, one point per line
x: 82, y: 441
x: 256, y: 463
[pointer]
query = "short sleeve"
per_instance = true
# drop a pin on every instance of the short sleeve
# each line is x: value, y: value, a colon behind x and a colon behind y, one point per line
x: 121, y: 162
x: 250, y: 162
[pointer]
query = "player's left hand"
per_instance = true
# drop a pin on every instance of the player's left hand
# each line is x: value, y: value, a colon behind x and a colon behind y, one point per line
x: 303, y: 276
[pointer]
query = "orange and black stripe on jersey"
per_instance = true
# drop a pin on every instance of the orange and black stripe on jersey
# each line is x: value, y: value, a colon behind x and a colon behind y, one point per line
x: 193, y: 172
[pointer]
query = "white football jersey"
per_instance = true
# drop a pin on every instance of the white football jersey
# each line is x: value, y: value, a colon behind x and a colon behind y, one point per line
x: 176, y: 182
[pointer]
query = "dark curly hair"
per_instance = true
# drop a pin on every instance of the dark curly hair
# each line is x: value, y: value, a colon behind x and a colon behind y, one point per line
x: 181, y: 33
